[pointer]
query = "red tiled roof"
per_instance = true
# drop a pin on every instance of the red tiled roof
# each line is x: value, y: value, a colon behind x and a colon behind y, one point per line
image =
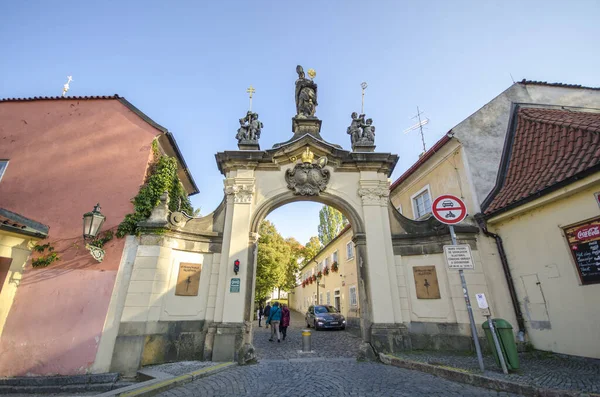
x: 549, y: 147
x: 426, y: 156
x: 533, y: 82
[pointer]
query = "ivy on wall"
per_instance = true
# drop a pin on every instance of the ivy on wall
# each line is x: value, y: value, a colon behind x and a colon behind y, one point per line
x: 46, y: 259
x: 100, y: 241
x: 162, y: 176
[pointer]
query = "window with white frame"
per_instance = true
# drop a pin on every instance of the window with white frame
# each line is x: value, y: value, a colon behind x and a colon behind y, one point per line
x: 327, y: 261
x: 422, y: 202
x: 335, y: 256
x: 3, y: 165
x: 353, y: 300
x: 328, y: 298
x: 350, y: 250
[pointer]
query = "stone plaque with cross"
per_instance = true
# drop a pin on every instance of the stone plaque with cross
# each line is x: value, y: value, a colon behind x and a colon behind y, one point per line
x: 426, y: 282
x: 188, y: 280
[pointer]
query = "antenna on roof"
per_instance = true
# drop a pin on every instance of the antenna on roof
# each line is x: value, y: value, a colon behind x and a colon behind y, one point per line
x: 66, y: 86
x: 512, y: 78
x: 419, y: 126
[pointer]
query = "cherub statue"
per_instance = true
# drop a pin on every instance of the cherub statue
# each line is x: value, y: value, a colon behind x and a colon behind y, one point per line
x: 368, y: 130
x: 255, y: 127
x: 355, y: 130
x: 242, y: 132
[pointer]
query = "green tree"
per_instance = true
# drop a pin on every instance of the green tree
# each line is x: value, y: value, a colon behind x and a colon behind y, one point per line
x: 290, y: 273
x: 311, y: 249
x: 272, y: 260
x: 331, y: 222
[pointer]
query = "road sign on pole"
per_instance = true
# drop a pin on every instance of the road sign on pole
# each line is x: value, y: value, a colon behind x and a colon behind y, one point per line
x: 449, y: 209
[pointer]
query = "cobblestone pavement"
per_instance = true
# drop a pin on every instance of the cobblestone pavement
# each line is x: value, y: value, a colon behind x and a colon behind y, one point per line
x: 325, y: 343
x: 324, y: 377
x: 540, y: 369
x: 332, y: 370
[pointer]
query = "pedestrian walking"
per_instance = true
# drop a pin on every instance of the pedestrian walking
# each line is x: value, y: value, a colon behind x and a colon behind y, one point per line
x: 285, y: 321
x: 267, y: 311
x: 259, y: 313
x: 274, y: 319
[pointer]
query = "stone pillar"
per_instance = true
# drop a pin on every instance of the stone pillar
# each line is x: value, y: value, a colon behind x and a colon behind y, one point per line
x: 377, y: 268
x: 229, y: 326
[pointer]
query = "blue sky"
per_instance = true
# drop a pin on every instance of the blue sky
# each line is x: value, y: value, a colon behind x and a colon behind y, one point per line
x: 187, y: 65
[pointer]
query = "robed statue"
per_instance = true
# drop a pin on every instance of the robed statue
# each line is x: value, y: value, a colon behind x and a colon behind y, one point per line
x: 306, y: 95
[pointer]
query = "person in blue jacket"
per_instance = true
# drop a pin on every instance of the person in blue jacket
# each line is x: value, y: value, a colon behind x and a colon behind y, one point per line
x: 274, y: 319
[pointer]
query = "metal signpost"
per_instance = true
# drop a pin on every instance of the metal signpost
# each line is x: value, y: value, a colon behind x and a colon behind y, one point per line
x: 451, y: 210
x: 482, y: 303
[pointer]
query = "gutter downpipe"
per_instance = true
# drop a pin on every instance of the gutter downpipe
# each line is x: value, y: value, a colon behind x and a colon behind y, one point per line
x: 509, y: 280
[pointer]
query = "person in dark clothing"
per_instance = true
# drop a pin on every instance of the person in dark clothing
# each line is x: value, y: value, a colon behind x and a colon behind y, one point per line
x: 259, y: 314
x: 285, y: 321
x: 267, y: 310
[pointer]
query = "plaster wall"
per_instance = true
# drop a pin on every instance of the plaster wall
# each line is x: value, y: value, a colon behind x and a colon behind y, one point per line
x: 443, y: 174
x: 63, y: 156
x: 483, y: 133
x: 561, y: 314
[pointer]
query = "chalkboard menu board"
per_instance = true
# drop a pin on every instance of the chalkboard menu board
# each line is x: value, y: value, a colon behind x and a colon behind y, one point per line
x: 584, y: 242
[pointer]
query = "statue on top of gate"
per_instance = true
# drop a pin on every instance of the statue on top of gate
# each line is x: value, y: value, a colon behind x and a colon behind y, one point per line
x: 306, y: 94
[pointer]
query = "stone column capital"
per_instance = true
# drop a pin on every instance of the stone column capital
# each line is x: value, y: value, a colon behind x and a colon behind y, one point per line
x: 239, y: 193
x: 374, y: 194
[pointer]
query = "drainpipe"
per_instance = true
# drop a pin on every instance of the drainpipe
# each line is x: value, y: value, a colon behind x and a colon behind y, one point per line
x: 509, y: 280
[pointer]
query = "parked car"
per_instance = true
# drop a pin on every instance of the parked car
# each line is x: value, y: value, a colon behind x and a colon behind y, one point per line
x: 324, y: 316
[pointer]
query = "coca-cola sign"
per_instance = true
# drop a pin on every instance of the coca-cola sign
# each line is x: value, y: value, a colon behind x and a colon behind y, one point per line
x: 588, y: 232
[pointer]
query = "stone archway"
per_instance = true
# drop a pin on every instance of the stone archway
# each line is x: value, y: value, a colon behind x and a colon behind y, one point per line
x: 255, y: 184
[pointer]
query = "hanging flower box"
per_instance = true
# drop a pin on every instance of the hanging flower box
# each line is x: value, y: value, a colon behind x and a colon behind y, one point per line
x: 320, y: 274
x: 313, y: 278
x: 310, y: 280
x: 335, y: 267
x: 326, y: 270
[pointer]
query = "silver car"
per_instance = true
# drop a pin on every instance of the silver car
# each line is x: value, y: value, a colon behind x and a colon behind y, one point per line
x: 324, y: 316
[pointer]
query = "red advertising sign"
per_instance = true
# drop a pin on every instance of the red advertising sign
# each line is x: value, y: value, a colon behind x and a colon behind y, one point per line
x: 449, y: 209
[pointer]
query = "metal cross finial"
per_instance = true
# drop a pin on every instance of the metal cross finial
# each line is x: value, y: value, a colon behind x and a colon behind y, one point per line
x: 250, y: 91
x: 66, y: 86
x: 364, y: 86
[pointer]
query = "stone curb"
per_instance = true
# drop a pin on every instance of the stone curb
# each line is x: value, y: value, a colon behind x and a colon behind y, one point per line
x: 481, y: 380
x: 155, y: 386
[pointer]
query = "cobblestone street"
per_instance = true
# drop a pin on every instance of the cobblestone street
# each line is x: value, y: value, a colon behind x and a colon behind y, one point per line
x: 332, y: 370
x: 325, y: 343
x: 324, y: 377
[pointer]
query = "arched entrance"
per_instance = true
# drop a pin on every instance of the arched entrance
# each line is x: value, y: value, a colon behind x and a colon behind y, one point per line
x: 356, y: 183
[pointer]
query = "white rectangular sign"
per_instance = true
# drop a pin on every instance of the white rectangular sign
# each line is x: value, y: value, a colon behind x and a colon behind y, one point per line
x: 481, y: 301
x: 458, y: 256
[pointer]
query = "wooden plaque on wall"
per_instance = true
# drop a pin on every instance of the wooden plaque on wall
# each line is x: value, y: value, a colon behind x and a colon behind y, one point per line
x: 188, y: 279
x: 426, y: 282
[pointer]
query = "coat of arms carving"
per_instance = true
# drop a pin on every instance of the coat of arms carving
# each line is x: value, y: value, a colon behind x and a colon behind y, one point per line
x: 308, y: 178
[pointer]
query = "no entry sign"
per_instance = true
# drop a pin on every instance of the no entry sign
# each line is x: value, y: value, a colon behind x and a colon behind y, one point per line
x: 449, y: 209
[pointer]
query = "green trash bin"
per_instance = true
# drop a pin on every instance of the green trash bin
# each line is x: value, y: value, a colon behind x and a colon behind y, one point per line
x: 507, y: 343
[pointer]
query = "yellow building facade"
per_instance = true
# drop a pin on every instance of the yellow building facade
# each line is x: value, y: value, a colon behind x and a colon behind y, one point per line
x: 337, y: 288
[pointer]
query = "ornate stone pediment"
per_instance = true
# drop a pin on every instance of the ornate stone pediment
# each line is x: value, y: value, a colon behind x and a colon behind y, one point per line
x: 308, y: 178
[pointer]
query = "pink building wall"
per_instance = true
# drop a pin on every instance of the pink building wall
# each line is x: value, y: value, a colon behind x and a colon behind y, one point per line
x: 64, y: 157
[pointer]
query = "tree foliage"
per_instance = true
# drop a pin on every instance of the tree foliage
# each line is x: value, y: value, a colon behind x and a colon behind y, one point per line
x: 311, y: 249
x: 331, y: 222
x: 277, y: 258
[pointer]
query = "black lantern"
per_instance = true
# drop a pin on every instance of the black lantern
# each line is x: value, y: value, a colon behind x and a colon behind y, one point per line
x: 92, y: 222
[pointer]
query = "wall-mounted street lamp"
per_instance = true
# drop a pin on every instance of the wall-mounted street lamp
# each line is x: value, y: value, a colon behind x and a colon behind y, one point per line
x: 92, y: 222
